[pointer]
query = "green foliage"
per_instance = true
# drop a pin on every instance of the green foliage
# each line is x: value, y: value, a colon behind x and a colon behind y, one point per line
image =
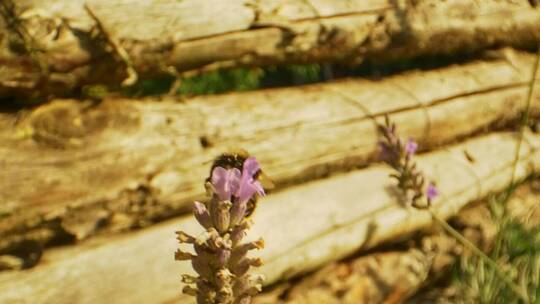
x: 294, y: 74
x: 96, y: 91
x: 222, y: 81
x: 517, y: 247
x: 516, y: 250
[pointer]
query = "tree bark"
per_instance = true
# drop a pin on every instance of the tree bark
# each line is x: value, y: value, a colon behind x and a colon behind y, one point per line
x: 75, y: 169
x: 54, y: 47
x: 319, y: 222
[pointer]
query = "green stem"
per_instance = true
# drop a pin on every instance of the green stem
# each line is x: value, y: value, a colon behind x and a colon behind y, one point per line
x: 524, y: 120
x: 480, y: 254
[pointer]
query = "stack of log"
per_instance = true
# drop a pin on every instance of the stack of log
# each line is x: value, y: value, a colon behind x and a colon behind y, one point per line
x: 113, y: 179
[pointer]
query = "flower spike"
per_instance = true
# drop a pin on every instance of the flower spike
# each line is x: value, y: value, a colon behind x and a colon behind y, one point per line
x: 221, y: 260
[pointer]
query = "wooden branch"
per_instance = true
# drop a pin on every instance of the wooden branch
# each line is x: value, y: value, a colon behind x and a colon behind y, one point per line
x: 319, y: 222
x: 79, y: 169
x: 184, y: 36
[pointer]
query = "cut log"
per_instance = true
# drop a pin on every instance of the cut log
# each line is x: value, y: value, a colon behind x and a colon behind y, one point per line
x: 394, y: 276
x: 55, y: 47
x: 304, y: 227
x: 76, y: 169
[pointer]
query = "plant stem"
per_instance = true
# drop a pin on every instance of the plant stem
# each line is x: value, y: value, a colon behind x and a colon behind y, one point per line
x: 524, y: 120
x: 480, y: 254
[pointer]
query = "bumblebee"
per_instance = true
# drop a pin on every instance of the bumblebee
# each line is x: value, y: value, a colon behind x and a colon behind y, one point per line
x: 236, y: 159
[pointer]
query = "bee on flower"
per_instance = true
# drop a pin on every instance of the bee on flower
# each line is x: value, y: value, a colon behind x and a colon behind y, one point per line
x: 220, y: 258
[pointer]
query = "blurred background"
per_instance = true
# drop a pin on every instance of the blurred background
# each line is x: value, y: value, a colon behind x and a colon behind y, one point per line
x: 111, y: 113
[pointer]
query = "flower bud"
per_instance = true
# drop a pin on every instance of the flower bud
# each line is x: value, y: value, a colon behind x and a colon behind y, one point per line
x: 202, y: 215
x: 410, y: 147
x: 243, y: 266
x: 239, y: 252
x: 248, y: 285
x: 188, y: 279
x: 183, y: 237
x: 180, y: 255
x: 202, y: 267
x: 238, y: 211
x: 239, y: 232
x: 209, y: 189
x: 432, y: 192
x: 190, y: 290
x: 223, y: 257
x: 222, y: 216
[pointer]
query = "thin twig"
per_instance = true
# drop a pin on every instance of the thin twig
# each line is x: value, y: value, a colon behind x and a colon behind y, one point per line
x: 31, y: 46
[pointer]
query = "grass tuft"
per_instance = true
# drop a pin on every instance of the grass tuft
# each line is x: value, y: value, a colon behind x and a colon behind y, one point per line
x: 516, y: 251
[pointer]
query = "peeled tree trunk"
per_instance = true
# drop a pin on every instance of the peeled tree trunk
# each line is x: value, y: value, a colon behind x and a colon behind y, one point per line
x: 393, y: 276
x: 73, y: 169
x: 54, y: 47
x: 304, y: 227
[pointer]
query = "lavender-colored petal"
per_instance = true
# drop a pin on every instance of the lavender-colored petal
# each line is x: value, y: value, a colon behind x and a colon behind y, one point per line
x: 250, y: 167
x: 411, y: 147
x: 259, y: 188
x: 220, y: 183
x: 247, y: 190
x: 248, y: 186
x: 432, y: 192
x: 225, y: 182
x: 234, y: 179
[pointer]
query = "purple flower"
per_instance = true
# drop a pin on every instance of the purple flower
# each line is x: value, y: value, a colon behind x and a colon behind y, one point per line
x: 432, y: 192
x: 225, y: 182
x: 250, y: 167
x: 248, y: 185
x: 240, y: 185
x: 410, y: 147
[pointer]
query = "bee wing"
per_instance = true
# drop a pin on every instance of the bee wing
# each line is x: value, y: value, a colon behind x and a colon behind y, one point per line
x: 265, y: 181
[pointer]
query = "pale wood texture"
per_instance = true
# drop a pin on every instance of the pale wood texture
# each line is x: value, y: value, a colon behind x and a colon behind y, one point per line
x: 304, y: 227
x: 74, y: 168
x: 53, y: 47
x: 394, y: 276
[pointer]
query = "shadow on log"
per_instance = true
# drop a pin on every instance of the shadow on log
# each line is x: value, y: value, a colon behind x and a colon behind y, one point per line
x: 339, y: 216
x: 75, y: 169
